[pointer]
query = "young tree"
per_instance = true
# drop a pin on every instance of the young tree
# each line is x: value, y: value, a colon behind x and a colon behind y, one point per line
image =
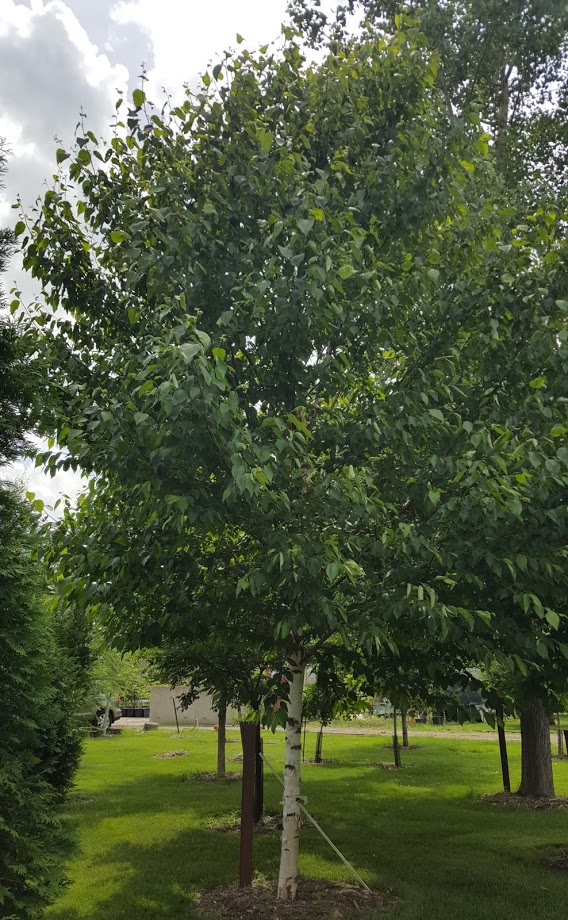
x: 220, y: 307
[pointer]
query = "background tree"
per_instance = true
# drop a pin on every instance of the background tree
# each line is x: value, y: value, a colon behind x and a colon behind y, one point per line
x: 40, y: 665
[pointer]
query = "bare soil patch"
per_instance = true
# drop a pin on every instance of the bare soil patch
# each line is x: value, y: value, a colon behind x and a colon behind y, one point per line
x: 317, y: 899
x: 525, y: 801
x: 168, y: 755
x: 556, y: 859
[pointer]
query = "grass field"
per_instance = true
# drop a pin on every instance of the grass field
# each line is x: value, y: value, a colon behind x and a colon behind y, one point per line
x: 145, y: 844
x: 379, y: 723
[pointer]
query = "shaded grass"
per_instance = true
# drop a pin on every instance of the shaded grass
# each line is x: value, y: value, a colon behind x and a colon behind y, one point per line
x: 146, y: 846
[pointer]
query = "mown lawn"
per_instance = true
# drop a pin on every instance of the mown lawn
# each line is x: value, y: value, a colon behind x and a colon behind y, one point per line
x: 144, y: 847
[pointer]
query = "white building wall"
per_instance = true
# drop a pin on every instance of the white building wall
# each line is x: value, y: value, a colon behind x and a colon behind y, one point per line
x: 201, y: 711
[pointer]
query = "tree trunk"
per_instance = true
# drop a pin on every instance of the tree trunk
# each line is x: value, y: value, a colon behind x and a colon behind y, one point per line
x: 319, y: 744
x: 258, y: 777
x: 560, y: 739
x: 404, y: 721
x: 288, y: 877
x: 536, y: 757
x: 221, y: 737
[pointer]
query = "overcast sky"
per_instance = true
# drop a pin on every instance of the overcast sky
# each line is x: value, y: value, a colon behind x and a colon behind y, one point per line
x: 60, y: 58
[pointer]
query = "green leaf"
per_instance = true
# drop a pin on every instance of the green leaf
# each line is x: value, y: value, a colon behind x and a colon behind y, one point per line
x: 189, y: 350
x: 332, y: 571
x: 434, y: 274
x: 61, y: 155
x: 265, y: 139
x: 38, y: 505
x: 217, y: 71
x: 132, y: 315
x: 345, y: 271
x: 138, y: 98
x: 537, y: 383
x: 434, y: 496
x: 563, y: 304
x: 553, y: 618
x: 306, y: 224
x: 435, y: 413
x: 146, y: 388
x: 317, y: 213
x: 19, y: 228
x: 467, y: 165
x: 117, y: 236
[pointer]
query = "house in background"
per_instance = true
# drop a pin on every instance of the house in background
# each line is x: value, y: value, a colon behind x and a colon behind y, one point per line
x: 201, y: 712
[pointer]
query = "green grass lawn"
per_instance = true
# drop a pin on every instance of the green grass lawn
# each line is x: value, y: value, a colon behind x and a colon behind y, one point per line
x: 144, y: 847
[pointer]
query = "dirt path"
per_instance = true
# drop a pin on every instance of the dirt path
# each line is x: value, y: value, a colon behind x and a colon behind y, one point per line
x: 461, y: 736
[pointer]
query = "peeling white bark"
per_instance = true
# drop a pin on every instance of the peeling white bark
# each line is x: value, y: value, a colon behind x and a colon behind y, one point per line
x: 288, y: 878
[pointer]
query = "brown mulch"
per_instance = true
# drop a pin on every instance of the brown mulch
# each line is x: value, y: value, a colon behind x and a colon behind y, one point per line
x: 270, y: 823
x: 388, y: 766
x: 317, y: 899
x: 167, y: 755
x: 238, y: 759
x: 525, y: 801
x: 557, y: 858
x: 319, y: 763
x: 411, y: 747
x: 213, y: 778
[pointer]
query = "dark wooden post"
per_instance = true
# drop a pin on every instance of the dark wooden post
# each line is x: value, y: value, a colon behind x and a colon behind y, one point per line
x: 395, y: 746
x: 503, y: 751
x: 258, y: 777
x: 404, y: 720
x: 248, y: 738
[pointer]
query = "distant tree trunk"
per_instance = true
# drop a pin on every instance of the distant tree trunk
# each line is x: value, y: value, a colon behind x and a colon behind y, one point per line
x: 288, y: 875
x: 319, y: 743
x: 395, y: 745
x: 560, y: 739
x: 221, y: 737
x: 536, y: 757
x: 404, y: 721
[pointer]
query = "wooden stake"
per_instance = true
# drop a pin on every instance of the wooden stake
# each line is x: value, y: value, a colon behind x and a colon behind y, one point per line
x: 248, y: 738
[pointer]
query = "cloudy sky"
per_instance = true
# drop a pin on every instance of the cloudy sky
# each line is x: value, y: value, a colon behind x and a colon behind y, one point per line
x: 61, y: 57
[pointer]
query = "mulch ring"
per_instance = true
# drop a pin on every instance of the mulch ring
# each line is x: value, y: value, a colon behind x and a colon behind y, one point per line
x: 270, y: 823
x: 556, y: 859
x: 167, y: 755
x: 388, y: 766
x: 316, y: 898
x: 525, y: 801
x: 213, y: 778
x: 411, y: 747
x: 322, y: 762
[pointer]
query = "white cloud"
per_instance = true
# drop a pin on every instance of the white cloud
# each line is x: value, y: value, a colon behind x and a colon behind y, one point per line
x: 186, y: 35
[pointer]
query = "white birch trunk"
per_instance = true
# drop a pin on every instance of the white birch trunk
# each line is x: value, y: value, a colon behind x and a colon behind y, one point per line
x: 288, y: 878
